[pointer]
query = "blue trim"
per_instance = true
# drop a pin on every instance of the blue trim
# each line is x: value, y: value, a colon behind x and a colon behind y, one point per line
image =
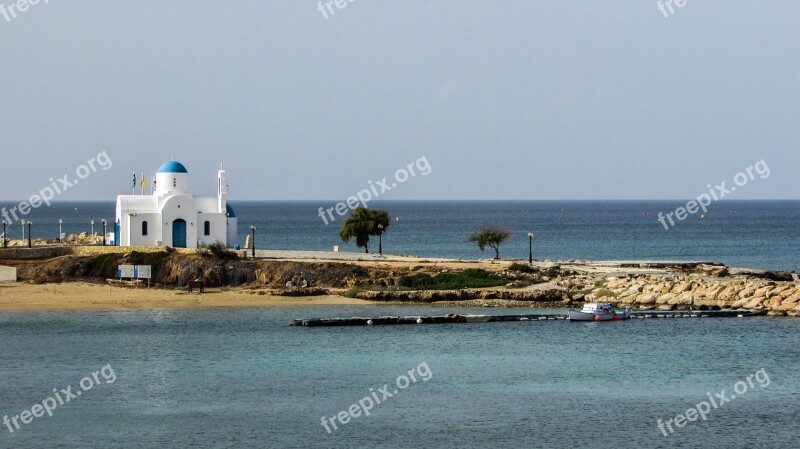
x: 172, y: 167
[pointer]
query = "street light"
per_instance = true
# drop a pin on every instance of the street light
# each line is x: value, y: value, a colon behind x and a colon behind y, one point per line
x: 23, y: 229
x: 5, y: 240
x: 92, y: 223
x: 30, y: 241
x: 253, y: 243
x: 530, y: 247
x: 60, y: 221
x: 104, y: 230
x: 380, y: 238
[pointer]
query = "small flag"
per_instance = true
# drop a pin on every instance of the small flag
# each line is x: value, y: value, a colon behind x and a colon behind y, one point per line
x: 154, y: 181
x: 134, y: 180
x: 143, y: 183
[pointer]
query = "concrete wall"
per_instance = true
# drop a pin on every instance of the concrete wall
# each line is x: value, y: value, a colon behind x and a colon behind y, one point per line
x: 8, y: 274
x: 47, y: 252
x: 41, y: 252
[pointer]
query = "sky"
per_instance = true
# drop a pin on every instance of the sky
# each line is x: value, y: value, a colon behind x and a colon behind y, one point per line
x: 519, y: 99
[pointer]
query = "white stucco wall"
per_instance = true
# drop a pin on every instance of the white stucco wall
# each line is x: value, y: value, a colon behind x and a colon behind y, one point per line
x: 218, y: 229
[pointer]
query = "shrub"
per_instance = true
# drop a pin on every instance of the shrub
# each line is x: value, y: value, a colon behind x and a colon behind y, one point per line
x: 219, y: 251
x: 469, y: 278
x: 521, y: 267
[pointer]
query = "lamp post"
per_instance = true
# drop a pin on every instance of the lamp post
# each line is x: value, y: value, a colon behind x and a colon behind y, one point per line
x: 92, y: 223
x: 530, y: 247
x: 22, y: 222
x: 253, y: 243
x: 30, y: 241
x: 380, y: 239
x: 5, y: 240
x: 60, y: 221
x: 104, y: 230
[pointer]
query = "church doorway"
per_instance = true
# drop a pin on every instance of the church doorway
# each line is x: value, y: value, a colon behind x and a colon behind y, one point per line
x: 179, y: 233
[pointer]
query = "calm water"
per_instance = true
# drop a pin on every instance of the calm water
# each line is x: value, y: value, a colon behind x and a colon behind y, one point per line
x: 757, y: 234
x: 239, y: 378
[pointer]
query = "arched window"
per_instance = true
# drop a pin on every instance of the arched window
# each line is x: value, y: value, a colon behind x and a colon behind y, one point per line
x: 207, y: 228
x: 144, y: 228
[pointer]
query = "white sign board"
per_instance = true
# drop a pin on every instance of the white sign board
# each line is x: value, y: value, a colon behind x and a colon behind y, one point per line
x: 143, y: 272
x: 126, y: 271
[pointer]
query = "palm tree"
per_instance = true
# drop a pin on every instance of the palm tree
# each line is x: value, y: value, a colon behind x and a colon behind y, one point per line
x: 363, y: 223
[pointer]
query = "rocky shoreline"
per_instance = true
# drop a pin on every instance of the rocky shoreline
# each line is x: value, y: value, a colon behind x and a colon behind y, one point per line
x: 639, y: 285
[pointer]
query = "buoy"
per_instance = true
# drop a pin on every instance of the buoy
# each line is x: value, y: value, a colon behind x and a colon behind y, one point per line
x: 615, y: 317
x: 369, y: 322
x: 419, y: 320
x: 597, y: 317
x: 702, y: 216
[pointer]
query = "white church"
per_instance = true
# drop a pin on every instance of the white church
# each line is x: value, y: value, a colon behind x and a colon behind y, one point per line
x: 172, y: 216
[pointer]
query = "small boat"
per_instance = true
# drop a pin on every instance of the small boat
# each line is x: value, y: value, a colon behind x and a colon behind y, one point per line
x: 598, y: 311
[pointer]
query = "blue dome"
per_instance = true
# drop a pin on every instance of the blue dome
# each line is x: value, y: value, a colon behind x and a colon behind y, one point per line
x: 172, y: 167
x: 229, y: 210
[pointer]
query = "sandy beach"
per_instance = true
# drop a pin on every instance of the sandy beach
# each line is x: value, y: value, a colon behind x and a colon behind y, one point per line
x: 78, y: 296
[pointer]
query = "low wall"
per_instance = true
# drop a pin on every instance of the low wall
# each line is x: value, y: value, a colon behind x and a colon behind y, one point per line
x: 41, y: 252
x: 48, y: 252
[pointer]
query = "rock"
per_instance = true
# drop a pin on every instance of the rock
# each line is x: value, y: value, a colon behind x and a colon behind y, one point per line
x: 774, y: 302
x: 762, y: 291
x: 616, y: 283
x: 785, y: 306
x: 682, y: 287
x: 647, y: 298
x: 712, y: 270
x: 729, y: 293
x: 740, y: 303
x: 747, y: 292
x: 714, y: 291
x: 755, y: 303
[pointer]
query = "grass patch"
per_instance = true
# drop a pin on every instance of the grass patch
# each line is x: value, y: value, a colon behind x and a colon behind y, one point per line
x: 469, y: 278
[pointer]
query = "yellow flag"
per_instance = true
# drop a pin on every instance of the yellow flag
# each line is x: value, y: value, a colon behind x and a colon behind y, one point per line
x: 143, y: 182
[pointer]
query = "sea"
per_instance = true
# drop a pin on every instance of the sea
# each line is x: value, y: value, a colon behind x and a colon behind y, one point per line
x: 747, y: 234
x: 242, y: 378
